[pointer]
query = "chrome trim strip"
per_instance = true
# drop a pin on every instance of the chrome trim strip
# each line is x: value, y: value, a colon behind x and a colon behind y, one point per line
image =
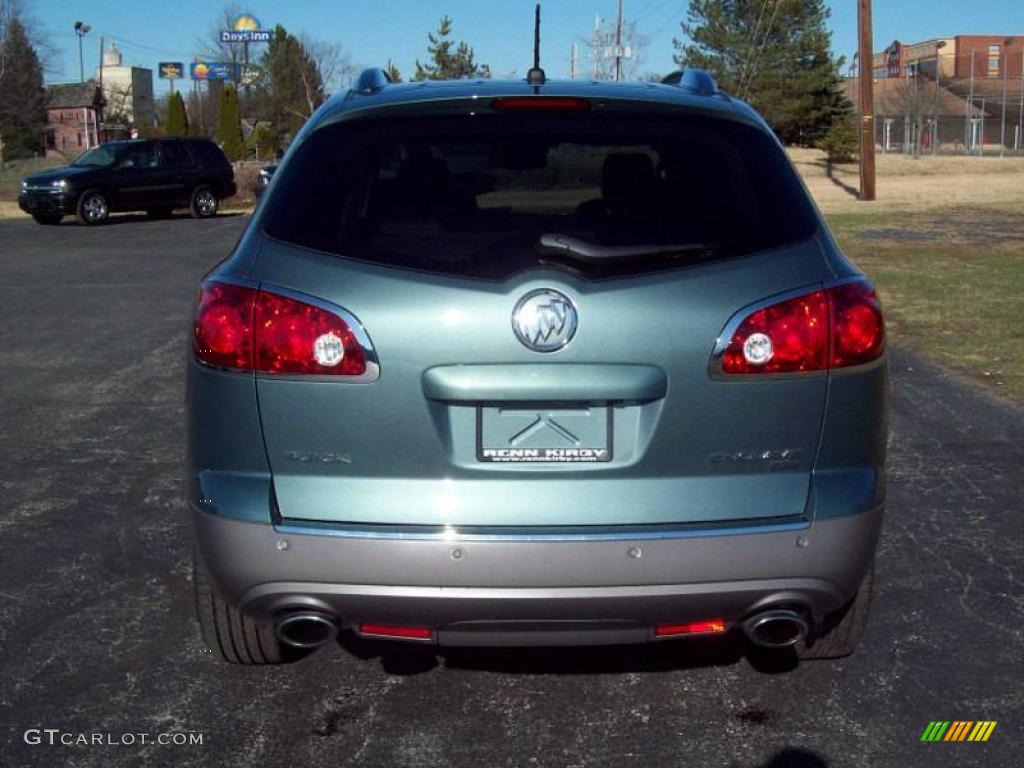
x: 453, y: 534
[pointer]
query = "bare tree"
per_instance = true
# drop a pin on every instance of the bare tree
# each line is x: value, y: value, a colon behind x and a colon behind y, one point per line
x: 917, y: 100
x: 334, y: 66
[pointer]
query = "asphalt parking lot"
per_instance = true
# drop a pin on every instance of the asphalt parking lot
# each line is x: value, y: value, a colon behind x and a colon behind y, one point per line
x: 96, y: 623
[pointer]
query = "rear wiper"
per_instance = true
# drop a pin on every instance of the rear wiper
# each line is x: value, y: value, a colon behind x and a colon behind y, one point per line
x: 580, y: 250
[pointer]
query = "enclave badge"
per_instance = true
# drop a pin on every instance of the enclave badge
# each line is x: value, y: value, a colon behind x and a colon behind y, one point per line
x: 544, y: 320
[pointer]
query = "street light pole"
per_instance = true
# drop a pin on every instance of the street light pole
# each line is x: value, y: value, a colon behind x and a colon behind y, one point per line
x: 1006, y: 73
x: 81, y: 29
x: 867, y: 101
x: 938, y: 94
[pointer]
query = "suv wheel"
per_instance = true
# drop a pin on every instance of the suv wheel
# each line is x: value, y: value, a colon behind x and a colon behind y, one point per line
x: 843, y: 630
x: 51, y: 218
x: 230, y: 634
x: 92, y: 207
x: 204, y: 203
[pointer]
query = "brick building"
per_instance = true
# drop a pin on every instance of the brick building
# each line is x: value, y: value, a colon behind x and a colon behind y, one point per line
x: 74, y: 114
x: 963, y: 90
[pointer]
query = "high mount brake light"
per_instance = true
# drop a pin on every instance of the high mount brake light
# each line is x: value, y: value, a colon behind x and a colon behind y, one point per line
x: 831, y: 328
x: 541, y: 103
x: 249, y: 329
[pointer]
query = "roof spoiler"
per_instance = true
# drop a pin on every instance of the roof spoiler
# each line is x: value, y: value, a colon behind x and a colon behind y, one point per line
x: 371, y: 80
x: 694, y: 80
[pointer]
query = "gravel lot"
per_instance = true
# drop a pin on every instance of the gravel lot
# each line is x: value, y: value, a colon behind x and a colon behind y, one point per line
x: 97, y: 632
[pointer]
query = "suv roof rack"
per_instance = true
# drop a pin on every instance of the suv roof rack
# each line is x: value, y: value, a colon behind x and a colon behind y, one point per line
x: 697, y: 81
x: 371, y: 80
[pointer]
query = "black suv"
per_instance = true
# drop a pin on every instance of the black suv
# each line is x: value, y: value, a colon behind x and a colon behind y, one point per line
x: 154, y: 176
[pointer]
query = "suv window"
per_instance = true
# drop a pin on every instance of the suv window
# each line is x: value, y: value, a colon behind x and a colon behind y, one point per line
x: 173, y: 154
x: 493, y: 195
x: 208, y: 154
x: 138, y: 155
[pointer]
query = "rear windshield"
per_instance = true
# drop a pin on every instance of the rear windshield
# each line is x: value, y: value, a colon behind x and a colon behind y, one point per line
x: 489, y: 196
x: 209, y: 154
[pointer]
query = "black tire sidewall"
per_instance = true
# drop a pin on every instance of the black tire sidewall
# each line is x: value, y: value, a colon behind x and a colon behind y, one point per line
x: 194, y: 207
x: 80, y: 208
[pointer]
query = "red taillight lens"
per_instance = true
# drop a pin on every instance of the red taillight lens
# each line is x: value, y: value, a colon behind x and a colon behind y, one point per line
x: 832, y: 328
x: 223, y: 325
x: 709, y: 627
x: 541, y: 103
x: 789, y: 336
x: 384, y: 630
x: 254, y: 330
x: 295, y: 337
x: 858, y: 330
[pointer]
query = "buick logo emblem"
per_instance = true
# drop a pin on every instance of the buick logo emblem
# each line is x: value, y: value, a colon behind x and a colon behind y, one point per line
x: 544, y: 320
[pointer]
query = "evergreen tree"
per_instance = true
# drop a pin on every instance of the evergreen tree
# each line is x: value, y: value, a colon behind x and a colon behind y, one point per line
x: 177, y: 118
x: 292, y: 87
x: 774, y: 53
x: 449, y: 61
x: 392, y: 72
x: 229, y: 125
x: 22, y: 98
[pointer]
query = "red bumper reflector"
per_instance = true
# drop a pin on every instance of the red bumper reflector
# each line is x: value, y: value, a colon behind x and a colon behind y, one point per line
x: 383, y: 630
x: 709, y: 627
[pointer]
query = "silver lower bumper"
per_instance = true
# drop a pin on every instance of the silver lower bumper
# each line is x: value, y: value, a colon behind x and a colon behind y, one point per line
x: 538, y: 590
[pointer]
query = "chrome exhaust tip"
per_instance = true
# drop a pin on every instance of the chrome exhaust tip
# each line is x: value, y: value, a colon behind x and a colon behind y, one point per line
x: 306, y: 629
x: 778, y: 628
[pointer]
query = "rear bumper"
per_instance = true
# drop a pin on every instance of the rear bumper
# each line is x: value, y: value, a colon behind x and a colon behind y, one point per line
x: 46, y: 203
x: 504, y: 590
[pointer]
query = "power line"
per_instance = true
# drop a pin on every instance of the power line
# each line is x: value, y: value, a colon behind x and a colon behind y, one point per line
x: 754, y: 63
x: 753, y: 43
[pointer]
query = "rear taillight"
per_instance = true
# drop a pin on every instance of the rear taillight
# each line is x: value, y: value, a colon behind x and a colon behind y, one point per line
x: 251, y: 329
x: 819, y: 330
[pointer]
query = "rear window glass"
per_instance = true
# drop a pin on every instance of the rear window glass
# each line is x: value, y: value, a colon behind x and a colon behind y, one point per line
x: 489, y: 196
x: 209, y: 154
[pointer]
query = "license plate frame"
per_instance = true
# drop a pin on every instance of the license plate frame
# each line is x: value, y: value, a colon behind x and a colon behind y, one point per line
x: 551, y: 434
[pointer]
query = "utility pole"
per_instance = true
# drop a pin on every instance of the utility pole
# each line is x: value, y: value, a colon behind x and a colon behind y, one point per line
x: 572, y: 63
x: 596, y: 47
x: 867, y: 102
x: 618, y: 44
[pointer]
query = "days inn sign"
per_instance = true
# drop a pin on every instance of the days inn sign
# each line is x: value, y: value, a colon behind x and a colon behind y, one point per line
x: 245, y: 29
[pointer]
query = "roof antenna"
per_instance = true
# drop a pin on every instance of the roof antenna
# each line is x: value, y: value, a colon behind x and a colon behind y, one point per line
x: 536, y: 75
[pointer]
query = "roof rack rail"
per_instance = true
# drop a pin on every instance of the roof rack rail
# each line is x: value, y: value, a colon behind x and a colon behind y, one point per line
x: 371, y: 80
x: 696, y: 80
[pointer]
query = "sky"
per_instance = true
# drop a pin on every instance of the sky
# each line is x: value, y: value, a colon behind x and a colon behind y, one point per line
x: 373, y: 31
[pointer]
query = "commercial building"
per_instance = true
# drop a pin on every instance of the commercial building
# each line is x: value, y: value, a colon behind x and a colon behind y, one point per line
x: 986, y: 57
x: 962, y: 91
x: 127, y: 90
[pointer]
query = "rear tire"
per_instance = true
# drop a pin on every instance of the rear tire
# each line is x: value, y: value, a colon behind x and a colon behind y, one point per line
x: 204, y: 203
x: 229, y: 634
x: 92, y: 208
x: 47, y: 219
x: 842, y: 630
